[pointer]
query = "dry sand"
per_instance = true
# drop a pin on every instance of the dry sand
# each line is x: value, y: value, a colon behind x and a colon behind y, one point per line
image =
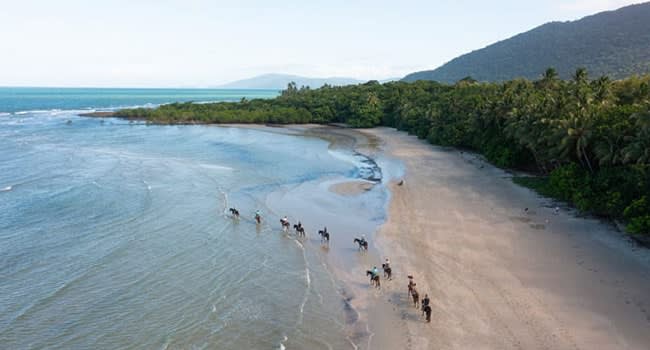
x: 498, y: 277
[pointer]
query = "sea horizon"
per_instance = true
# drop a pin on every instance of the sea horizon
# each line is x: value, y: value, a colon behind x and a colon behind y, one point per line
x: 28, y: 99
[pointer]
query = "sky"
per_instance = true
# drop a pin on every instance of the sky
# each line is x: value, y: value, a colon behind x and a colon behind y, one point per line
x: 203, y: 43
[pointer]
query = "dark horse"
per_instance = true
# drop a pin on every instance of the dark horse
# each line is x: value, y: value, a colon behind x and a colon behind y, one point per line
x: 285, y: 224
x: 324, y: 235
x: 363, y: 244
x: 374, y: 279
x: 299, y: 229
x: 234, y: 212
x: 387, y: 271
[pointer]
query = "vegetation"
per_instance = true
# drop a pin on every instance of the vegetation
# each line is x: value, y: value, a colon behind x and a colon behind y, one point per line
x: 590, y: 138
x: 613, y: 43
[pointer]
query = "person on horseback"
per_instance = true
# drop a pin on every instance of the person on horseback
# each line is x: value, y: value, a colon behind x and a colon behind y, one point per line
x: 373, y: 273
x: 425, y: 303
x: 387, y: 264
x: 258, y: 216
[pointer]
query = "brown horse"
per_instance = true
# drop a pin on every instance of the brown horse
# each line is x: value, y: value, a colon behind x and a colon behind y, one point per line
x: 374, y: 279
x: 416, y: 297
x: 411, y: 285
x: 387, y: 271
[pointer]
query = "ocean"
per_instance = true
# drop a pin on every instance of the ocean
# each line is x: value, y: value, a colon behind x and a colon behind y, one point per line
x: 115, y: 234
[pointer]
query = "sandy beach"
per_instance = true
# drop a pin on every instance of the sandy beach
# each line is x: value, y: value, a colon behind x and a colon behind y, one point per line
x: 499, y: 277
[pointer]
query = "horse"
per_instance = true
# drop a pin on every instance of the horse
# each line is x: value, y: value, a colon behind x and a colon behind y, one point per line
x: 374, y: 279
x: 387, y: 271
x: 416, y: 297
x: 299, y: 230
x: 234, y: 212
x: 427, y: 312
x: 411, y: 285
x: 324, y: 236
x: 363, y: 244
x: 285, y: 224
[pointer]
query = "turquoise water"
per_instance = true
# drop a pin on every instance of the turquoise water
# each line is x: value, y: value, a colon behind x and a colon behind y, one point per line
x: 18, y: 99
x: 116, y: 234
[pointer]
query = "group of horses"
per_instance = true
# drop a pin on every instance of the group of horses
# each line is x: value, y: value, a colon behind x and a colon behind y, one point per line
x: 363, y: 246
x: 300, y: 230
x: 413, y: 293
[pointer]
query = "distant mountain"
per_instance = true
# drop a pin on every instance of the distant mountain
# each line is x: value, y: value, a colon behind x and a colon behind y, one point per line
x: 613, y: 43
x: 280, y: 81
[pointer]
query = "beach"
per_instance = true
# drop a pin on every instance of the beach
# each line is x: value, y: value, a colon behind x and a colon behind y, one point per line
x: 499, y: 276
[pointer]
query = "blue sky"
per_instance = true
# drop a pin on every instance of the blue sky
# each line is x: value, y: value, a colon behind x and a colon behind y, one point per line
x: 198, y: 43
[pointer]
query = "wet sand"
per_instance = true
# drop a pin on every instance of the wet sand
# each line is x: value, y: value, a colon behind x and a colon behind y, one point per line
x: 343, y: 205
x: 351, y: 188
x: 500, y: 277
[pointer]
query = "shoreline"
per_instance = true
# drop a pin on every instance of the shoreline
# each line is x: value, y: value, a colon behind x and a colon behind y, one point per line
x: 345, y: 264
x: 500, y: 277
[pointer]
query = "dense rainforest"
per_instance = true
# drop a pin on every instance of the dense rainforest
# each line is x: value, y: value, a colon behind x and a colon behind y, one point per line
x: 612, y: 43
x: 589, y: 140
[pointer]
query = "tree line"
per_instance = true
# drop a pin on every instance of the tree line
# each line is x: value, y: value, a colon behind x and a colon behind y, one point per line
x: 588, y: 138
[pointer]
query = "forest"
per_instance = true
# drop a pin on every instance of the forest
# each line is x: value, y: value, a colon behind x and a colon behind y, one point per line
x: 586, y: 140
x: 612, y: 43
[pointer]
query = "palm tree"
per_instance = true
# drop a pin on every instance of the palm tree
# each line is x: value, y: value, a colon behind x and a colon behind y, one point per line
x: 575, y: 135
x: 608, y: 149
x: 602, y: 89
x: 550, y: 74
x: 638, y: 149
x: 580, y: 76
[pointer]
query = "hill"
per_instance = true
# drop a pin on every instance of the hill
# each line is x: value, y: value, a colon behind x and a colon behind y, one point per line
x: 613, y: 43
x: 280, y: 81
